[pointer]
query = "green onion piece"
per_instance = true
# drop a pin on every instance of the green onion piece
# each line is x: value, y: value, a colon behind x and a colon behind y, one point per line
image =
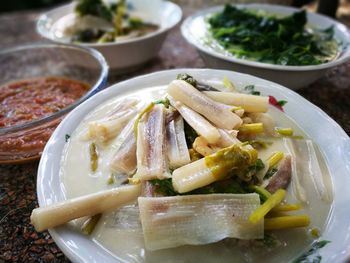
x: 90, y: 224
x: 285, y: 131
x: 93, y: 157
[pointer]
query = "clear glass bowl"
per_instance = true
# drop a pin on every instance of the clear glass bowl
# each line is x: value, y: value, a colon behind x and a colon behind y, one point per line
x: 45, y: 60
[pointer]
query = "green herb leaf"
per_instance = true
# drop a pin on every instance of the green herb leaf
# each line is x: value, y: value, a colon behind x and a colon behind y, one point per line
x: 282, y: 102
x: 67, y: 136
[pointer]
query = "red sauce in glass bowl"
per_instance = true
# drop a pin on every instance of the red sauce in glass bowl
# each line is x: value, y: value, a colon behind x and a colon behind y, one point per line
x: 30, y: 99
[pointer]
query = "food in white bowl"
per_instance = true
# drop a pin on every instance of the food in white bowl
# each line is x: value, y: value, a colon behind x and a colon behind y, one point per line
x: 100, y: 22
x: 115, y: 135
x: 127, y: 33
x: 283, y: 44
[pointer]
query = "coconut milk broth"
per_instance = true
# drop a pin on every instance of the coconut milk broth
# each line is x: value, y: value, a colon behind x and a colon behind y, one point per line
x: 120, y: 231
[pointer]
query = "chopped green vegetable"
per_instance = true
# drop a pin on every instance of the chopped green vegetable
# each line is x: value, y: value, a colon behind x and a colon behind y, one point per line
x: 306, y: 257
x: 257, y: 144
x: 251, y: 170
x: 262, y: 192
x: 228, y: 84
x: 89, y: 225
x: 285, y: 131
x: 270, y: 173
x: 266, y: 38
x: 164, y: 187
x: 93, y: 157
x: 111, y: 179
x: 188, y: 78
x: 67, y: 136
x: 251, y: 90
x: 164, y: 101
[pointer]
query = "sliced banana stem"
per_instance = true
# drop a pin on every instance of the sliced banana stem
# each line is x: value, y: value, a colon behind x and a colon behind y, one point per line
x: 151, y: 150
x: 197, y: 122
x: 178, y: 154
x: 104, y: 130
x: 227, y: 138
x: 213, y: 167
x: 124, y: 159
x: 197, y: 219
x: 217, y: 113
x: 250, y: 103
x: 57, y: 214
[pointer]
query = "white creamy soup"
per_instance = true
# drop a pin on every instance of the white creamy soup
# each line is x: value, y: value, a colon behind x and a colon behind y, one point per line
x: 120, y: 231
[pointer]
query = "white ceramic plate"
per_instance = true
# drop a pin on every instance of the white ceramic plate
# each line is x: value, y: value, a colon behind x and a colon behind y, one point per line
x: 124, y: 55
x: 333, y: 142
x: 195, y: 30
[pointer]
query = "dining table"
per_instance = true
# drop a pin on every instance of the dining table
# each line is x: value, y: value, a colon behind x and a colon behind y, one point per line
x: 19, y: 242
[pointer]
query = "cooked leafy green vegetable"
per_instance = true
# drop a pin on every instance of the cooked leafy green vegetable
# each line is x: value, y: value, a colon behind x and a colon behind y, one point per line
x: 164, y: 187
x: 309, y: 256
x: 190, y: 134
x: 228, y: 186
x: 188, y: 78
x: 94, y: 8
x: 266, y: 38
x: 116, y: 14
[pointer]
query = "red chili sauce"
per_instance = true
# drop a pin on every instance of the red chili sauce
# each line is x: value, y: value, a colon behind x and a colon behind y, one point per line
x: 26, y: 100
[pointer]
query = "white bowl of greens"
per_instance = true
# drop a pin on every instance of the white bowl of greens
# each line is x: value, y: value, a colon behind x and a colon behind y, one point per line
x: 128, y: 33
x: 264, y: 46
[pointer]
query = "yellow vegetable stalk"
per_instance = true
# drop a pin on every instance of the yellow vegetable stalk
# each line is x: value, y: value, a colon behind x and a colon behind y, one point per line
x: 285, y: 131
x: 286, y: 222
x: 229, y: 85
x: 252, y: 128
x: 287, y: 207
x: 266, y: 207
x: 275, y: 159
x: 93, y: 157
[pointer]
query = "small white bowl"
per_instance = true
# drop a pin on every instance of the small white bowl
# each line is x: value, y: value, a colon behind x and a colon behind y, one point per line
x: 195, y: 30
x: 125, y: 55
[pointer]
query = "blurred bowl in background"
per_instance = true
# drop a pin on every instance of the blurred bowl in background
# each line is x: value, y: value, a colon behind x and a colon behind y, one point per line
x: 195, y: 31
x: 128, y: 54
x: 37, y: 85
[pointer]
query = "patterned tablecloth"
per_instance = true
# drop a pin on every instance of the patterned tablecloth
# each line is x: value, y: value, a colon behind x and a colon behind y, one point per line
x: 18, y: 240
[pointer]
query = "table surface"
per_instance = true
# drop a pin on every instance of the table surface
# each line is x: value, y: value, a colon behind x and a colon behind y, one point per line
x: 18, y: 240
